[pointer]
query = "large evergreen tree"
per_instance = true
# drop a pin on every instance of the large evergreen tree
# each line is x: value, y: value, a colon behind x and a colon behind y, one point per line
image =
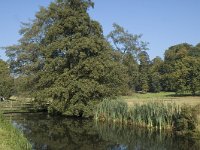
x: 68, y: 62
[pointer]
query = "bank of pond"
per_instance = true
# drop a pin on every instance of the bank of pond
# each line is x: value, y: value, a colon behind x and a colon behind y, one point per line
x: 12, y: 138
x: 182, y: 120
x: 151, y: 125
x: 60, y: 133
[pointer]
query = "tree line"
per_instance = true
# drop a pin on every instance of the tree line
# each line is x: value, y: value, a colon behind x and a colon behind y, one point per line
x: 64, y: 59
x: 178, y: 72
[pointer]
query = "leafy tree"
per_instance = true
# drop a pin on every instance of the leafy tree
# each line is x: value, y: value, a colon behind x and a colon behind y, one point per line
x: 173, y: 55
x: 177, y: 52
x: 154, y: 75
x: 132, y: 70
x: 154, y: 82
x: 67, y: 60
x: 179, y: 74
x: 126, y: 42
x: 181, y: 69
x: 193, y: 74
x: 21, y: 86
x: 128, y: 47
x: 195, y: 51
x: 143, y: 78
x: 6, y: 81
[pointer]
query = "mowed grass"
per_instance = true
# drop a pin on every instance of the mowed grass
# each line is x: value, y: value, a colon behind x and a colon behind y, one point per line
x: 16, y: 104
x: 168, y: 97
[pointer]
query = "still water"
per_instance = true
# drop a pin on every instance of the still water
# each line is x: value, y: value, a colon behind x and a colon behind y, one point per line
x: 56, y: 133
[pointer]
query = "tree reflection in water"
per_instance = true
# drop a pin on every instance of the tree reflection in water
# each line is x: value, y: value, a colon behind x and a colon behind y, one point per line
x: 56, y: 133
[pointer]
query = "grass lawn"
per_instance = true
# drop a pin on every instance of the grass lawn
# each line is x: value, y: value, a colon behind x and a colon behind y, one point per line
x: 16, y: 104
x: 162, y: 96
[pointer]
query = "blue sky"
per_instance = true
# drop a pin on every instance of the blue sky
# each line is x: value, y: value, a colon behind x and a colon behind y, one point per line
x: 163, y: 23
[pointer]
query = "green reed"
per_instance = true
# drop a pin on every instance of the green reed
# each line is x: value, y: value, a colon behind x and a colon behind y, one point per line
x: 158, y: 115
x: 154, y: 114
x: 115, y: 110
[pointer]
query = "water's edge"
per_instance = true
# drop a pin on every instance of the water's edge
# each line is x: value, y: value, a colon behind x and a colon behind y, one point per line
x: 58, y: 133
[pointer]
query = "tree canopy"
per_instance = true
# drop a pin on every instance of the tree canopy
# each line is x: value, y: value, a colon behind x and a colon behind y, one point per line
x: 180, y: 71
x: 127, y: 47
x: 67, y: 65
x: 66, y: 58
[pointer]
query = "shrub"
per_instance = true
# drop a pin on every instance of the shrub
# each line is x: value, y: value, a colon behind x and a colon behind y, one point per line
x: 187, y: 121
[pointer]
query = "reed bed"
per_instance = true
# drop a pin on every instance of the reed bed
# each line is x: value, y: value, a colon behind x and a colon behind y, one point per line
x: 11, y: 138
x: 115, y: 110
x: 157, y: 115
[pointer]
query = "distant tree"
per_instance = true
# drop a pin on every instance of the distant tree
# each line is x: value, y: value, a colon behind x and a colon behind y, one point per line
x: 179, y: 74
x: 154, y: 82
x: 181, y: 71
x: 195, y: 51
x: 67, y: 59
x: 132, y: 70
x: 154, y: 75
x: 22, y: 87
x: 193, y: 74
x: 187, y: 75
x: 167, y: 80
x: 6, y: 81
x: 173, y: 55
x: 143, y: 78
x: 156, y: 63
x: 128, y: 47
x: 126, y: 42
x: 177, y: 52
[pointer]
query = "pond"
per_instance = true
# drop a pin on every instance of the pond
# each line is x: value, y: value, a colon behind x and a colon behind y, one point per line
x: 58, y: 133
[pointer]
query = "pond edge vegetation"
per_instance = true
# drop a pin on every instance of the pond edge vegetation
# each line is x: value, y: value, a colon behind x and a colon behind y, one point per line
x: 12, y: 138
x: 182, y: 120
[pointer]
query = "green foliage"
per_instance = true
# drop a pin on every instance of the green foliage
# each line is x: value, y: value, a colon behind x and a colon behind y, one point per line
x: 126, y: 42
x: 173, y: 55
x: 143, y: 78
x: 154, y: 85
x: 187, y: 121
x: 157, y: 115
x: 116, y: 110
x: 180, y: 72
x: 21, y: 86
x: 65, y: 63
x: 66, y: 59
x: 128, y: 47
x: 6, y: 81
x: 132, y: 70
x: 193, y: 74
x: 155, y: 75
